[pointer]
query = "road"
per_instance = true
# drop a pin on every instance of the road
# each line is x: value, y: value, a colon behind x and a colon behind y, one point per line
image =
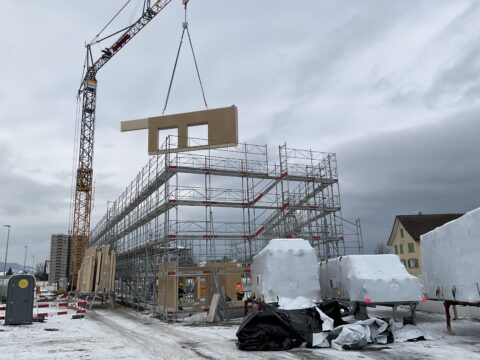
x: 175, y: 341
x: 125, y: 334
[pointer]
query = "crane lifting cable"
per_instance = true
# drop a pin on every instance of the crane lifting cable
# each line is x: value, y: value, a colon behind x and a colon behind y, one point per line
x: 109, y: 22
x: 96, y: 40
x: 185, y: 30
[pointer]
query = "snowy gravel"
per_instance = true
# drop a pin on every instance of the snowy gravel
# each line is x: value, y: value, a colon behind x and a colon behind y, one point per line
x: 125, y: 334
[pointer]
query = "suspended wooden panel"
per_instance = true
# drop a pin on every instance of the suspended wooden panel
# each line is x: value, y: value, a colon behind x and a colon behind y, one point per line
x: 222, y: 126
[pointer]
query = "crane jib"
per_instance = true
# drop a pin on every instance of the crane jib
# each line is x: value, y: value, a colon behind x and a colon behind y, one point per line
x: 120, y: 42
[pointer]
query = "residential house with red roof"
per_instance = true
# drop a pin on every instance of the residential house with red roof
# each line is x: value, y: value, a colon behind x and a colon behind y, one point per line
x: 405, y: 236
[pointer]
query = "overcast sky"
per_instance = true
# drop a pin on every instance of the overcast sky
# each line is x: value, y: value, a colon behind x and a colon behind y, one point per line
x: 391, y: 86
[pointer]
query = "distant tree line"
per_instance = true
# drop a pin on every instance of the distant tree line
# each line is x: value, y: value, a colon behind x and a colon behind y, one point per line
x: 382, y: 249
x: 40, y: 272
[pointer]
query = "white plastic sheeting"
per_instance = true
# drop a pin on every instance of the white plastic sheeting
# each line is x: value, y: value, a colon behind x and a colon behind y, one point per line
x: 450, y: 259
x: 320, y: 339
x: 285, y: 268
x: 368, y: 279
x: 299, y: 302
x: 402, y: 333
x: 360, y: 333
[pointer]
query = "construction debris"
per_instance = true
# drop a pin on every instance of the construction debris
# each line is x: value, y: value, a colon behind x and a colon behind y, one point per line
x: 97, y: 272
x: 359, y: 334
x: 277, y: 329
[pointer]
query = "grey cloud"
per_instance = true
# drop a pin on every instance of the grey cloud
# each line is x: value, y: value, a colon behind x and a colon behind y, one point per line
x: 359, y: 28
x: 21, y: 195
x: 34, y: 209
x: 458, y: 83
x: 278, y: 63
x: 433, y: 168
x: 410, y: 94
x: 453, y: 84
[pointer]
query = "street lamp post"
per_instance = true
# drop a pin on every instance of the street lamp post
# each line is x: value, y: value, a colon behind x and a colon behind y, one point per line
x: 25, y: 258
x: 6, y: 250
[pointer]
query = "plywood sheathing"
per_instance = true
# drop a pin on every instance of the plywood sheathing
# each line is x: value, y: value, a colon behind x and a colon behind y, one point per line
x: 167, y: 286
x: 228, y: 274
x: 97, y: 274
x: 111, y: 284
x: 105, y: 266
x: 222, y: 128
x: 87, y: 269
x: 97, y: 271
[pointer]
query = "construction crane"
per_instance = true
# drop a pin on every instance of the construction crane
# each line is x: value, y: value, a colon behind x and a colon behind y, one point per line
x: 84, y: 176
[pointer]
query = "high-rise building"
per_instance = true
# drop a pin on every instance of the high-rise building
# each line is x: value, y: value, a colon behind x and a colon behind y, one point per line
x: 59, y: 257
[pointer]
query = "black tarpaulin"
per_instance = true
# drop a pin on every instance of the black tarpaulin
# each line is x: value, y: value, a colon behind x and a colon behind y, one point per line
x: 267, y: 330
x: 277, y: 329
x: 333, y: 309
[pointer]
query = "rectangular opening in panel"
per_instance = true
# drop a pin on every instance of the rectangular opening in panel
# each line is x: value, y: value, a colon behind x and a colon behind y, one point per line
x: 197, y: 135
x: 168, y: 138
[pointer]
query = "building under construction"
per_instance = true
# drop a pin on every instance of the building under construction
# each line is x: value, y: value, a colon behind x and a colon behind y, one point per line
x: 196, y: 210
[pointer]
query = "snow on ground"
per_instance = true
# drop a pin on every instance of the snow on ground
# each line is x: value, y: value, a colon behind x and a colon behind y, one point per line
x: 125, y: 334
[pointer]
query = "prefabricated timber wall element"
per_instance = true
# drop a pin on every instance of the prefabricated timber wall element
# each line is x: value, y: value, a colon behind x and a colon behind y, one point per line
x: 222, y: 129
x: 167, y: 286
x: 97, y: 271
x: 198, y: 282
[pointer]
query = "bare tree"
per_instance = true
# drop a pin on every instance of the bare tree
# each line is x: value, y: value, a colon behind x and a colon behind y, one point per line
x: 40, y: 272
x: 382, y: 249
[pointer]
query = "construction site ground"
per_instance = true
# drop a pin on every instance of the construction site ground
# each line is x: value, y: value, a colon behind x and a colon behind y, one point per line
x: 125, y: 334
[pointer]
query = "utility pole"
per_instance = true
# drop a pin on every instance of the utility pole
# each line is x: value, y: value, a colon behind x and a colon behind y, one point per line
x: 33, y: 264
x: 25, y: 258
x: 6, y: 250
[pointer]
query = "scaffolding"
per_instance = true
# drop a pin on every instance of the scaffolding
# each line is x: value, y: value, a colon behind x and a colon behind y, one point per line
x: 200, y: 208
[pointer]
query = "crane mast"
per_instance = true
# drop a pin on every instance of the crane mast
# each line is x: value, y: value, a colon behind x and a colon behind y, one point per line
x: 84, y: 177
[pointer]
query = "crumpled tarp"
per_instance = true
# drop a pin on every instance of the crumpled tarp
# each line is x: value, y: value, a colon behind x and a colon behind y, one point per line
x: 402, y: 333
x: 300, y: 302
x: 320, y: 326
x: 359, y: 334
x: 267, y: 330
x: 278, y: 329
x: 333, y: 309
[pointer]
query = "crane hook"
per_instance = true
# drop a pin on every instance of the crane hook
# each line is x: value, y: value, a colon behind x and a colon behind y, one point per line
x: 185, y: 23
